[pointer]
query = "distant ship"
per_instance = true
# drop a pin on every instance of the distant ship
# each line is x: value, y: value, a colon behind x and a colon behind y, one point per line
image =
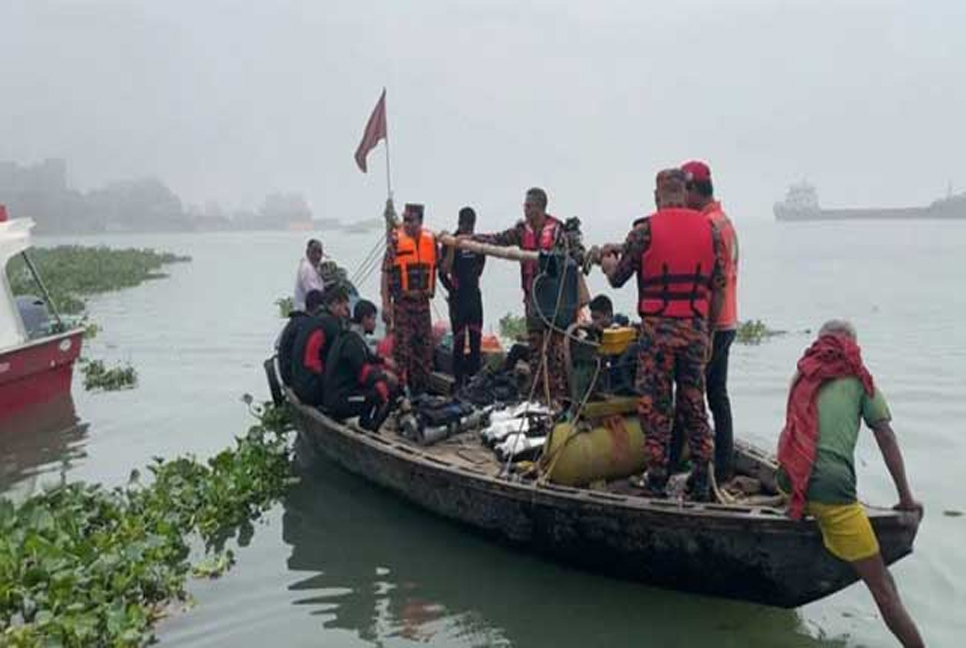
x: 801, y: 204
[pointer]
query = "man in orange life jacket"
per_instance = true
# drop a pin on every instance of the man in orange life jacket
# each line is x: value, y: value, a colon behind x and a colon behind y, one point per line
x: 676, y: 254
x: 539, y: 231
x: 313, y: 342
x: 701, y: 198
x: 408, y: 284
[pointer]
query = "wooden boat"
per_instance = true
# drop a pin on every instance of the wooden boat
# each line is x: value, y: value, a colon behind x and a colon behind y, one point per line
x: 736, y: 551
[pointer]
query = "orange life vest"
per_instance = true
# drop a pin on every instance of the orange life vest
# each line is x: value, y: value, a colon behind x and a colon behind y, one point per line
x: 674, y: 278
x: 414, y: 268
x: 548, y: 236
x: 728, y: 317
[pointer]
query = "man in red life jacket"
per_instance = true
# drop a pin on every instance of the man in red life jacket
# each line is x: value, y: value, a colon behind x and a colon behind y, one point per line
x: 831, y: 394
x: 676, y: 253
x: 538, y: 231
x: 408, y: 285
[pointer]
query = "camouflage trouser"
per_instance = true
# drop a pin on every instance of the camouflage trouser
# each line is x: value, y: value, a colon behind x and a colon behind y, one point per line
x: 554, y: 369
x: 413, y: 341
x: 672, y: 355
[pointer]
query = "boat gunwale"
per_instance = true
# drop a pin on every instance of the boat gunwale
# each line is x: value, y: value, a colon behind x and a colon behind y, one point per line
x: 766, y: 518
x: 29, y: 344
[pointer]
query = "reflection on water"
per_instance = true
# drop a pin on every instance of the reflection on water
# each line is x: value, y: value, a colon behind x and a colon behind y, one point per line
x: 37, y: 439
x: 372, y: 564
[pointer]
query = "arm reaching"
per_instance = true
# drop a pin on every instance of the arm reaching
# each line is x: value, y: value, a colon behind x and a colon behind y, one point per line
x: 889, y: 447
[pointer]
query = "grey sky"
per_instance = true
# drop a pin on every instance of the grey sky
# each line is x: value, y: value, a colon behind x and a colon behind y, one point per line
x: 227, y: 100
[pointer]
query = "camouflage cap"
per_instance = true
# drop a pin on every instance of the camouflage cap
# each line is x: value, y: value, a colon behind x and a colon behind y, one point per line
x: 415, y: 209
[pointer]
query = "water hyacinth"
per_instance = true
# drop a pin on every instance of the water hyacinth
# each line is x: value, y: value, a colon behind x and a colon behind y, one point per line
x: 73, y: 272
x: 82, y: 565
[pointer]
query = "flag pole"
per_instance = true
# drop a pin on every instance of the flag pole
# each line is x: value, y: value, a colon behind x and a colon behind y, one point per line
x: 388, y: 174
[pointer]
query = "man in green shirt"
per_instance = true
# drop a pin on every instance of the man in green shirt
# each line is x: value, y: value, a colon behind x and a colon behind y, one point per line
x: 841, y: 404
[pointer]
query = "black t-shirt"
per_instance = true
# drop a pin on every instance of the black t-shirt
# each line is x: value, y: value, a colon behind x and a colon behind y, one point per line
x: 463, y: 280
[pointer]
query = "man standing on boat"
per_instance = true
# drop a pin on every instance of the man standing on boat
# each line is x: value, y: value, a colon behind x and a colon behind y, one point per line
x: 541, y: 232
x: 676, y: 253
x: 460, y: 273
x: 308, y: 277
x: 831, y: 394
x: 701, y: 198
x: 408, y: 285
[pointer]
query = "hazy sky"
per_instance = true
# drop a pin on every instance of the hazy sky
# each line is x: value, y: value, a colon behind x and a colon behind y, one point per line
x: 228, y: 100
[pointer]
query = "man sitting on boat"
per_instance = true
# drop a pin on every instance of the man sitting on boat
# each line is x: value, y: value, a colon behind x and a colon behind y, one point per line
x: 409, y: 282
x: 357, y: 383
x: 313, y: 342
x: 676, y: 254
x: 831, y: 394
x: 286, y: 339
x: 308, y: 277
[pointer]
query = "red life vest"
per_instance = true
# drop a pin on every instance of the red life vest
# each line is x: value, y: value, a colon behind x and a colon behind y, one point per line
x: 674, y: 278
x: 548, y: 236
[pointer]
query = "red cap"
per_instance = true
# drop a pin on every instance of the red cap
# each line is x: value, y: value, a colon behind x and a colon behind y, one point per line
x: 696, y: 171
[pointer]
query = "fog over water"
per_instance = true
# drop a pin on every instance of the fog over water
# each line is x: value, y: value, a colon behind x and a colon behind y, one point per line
x: 227, y: 101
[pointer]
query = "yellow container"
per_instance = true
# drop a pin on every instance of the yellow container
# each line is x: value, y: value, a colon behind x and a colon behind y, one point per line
x: 608, y: 448
x: 614, y: 341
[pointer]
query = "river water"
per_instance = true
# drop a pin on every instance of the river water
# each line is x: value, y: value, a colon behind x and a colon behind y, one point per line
x: 340, y: 563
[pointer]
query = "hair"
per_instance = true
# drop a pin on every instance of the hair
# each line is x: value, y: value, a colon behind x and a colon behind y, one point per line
x: 467, y: 214
x: 601, y: 304
x: 670, y: 188
x: 839, y: 327
x: 335, y: 293
x: 313, y: 299
x: 538, y: 195
x: 363, y: 309
x: 312, y: 243
x: 702, y: 187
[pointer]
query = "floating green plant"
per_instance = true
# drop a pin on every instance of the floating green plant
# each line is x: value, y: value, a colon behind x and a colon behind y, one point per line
x: 97, y: 376
x: 755, y: 332
x: 82, y: 565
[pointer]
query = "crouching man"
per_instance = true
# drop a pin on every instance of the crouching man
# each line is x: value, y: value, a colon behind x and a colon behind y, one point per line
x: 357, y: 383
x: 831, y: 394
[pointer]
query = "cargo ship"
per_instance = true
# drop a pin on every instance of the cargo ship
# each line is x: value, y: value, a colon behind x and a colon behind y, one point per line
x: 801, y: 204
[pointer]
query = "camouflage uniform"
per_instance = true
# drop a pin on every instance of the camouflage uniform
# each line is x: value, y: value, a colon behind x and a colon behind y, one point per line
x: 673, y: 354
x: 412, y: 328
x: 555, y: 367
x: 413, y: 341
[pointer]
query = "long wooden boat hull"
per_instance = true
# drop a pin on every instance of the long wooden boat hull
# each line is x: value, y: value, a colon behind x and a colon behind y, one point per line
x: 753, y: 554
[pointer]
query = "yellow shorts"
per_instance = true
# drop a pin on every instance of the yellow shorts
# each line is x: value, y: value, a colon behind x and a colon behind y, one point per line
x: 846, y: 530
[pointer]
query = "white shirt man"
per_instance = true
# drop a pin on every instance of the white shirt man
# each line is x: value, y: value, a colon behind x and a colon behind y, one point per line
x: 308, y: 275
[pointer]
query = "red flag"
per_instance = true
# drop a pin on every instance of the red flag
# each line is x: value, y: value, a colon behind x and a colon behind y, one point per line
x: 375, y: 131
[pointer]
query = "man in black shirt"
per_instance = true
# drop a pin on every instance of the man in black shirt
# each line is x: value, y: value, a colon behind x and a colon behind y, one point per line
x: 460, y: 273
x: 356, y: 382
x: 313, y: 342
x: 286, y: 340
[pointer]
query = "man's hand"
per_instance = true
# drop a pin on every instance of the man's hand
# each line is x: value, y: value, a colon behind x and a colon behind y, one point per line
x: 910, y: 505
x: 387, y: 315
x: 608, y: 263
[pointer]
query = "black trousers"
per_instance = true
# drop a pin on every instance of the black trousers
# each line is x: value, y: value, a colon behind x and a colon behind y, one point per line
x: 466, y: 318
x: 716, y: 389
x: 367, y: 405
